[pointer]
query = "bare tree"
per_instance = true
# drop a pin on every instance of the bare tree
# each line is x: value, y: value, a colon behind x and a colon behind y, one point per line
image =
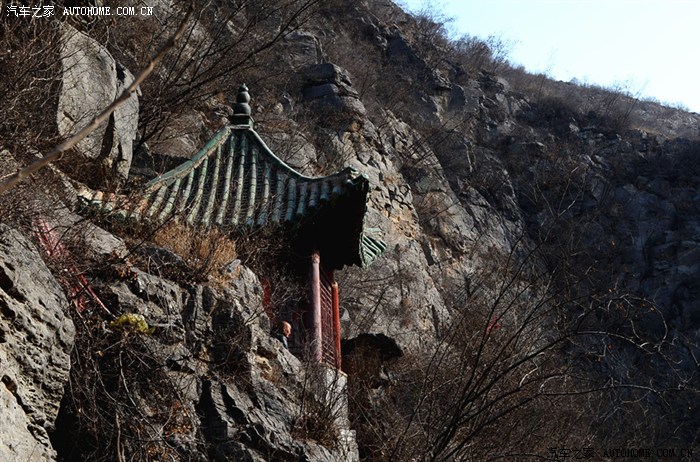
x: 545, y: 351
x: 68, y: 144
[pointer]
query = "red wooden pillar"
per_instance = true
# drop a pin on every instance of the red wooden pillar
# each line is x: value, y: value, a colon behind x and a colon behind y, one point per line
x: 336, y: 324
x: 315, y: 296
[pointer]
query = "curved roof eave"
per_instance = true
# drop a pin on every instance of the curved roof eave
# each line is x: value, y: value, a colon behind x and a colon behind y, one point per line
x: 236, y: 180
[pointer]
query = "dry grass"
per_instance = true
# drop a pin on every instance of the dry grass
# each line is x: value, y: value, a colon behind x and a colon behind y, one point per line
x: 204, y: 251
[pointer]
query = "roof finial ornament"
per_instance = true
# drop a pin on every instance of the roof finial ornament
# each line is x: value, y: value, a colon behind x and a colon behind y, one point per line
x: 241, y: 110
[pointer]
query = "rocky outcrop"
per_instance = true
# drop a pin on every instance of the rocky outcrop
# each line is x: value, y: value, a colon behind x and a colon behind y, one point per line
x: 651, y: 224
x: 303, y: 48
x: 274, y: 404
x: 91, y: 80
x: 234, y: 392
x: 330, y: 93
x: 464, y: 171
x: 36, y: 337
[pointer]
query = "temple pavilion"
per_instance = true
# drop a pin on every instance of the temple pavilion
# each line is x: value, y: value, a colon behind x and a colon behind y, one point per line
x: 236, y: 182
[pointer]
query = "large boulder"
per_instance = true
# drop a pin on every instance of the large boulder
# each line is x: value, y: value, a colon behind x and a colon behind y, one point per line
x: 330, y: 94
x: 91, y: 80
x: 36, y: 338
x: 302, y: 48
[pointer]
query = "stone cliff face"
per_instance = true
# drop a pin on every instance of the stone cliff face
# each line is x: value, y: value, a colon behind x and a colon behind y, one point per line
x: 467, y: 173
x: 36, y: 339
x: 244, y: 402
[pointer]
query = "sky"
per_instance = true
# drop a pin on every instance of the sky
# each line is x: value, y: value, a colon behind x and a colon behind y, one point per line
x: 649, y: 48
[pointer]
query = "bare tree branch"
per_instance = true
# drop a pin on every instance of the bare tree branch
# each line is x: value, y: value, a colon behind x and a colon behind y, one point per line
x: 59, y: 150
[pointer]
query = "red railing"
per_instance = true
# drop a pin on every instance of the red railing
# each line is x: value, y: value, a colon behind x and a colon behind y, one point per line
x: 316, y: 323
x: 73, y: 282
x: 328, y: 349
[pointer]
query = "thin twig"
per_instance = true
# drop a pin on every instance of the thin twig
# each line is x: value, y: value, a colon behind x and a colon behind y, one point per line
x: 120, y: 454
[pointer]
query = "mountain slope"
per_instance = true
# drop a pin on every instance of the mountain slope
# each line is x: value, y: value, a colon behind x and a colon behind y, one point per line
x: 538, y: 291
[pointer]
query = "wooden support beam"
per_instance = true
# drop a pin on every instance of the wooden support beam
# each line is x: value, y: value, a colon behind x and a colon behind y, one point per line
x: 336, y: 324
x: 316, y: 338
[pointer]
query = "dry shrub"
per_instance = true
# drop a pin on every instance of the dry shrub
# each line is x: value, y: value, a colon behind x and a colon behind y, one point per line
x: 43, y: 196
x: 30, y: 72
x: 321, y: 404
x: 203, y: 250
x: 120, y: 403
x: 317, y: 423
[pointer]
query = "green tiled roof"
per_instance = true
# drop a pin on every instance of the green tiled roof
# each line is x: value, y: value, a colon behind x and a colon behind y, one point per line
x: 236, y: 181
x: 370, y: 249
